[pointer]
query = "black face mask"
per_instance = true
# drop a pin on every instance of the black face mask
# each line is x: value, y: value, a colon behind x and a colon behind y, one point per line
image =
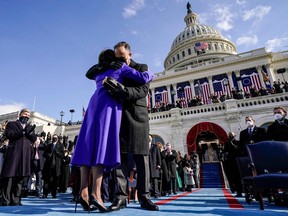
x: 23, y: 119
x: 121, y: 59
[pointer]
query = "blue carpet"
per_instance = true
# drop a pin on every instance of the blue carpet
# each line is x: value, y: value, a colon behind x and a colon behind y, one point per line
x: 204, y: 202
x: 210, y: 175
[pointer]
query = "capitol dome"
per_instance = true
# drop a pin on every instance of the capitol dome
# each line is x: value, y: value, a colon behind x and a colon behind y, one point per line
x: 197, y: 43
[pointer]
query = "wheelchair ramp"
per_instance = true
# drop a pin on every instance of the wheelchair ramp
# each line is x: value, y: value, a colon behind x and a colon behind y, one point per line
x: 211, y: 176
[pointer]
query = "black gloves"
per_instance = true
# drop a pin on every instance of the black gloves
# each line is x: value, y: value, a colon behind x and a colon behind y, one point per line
x: 29, y: 129
x: 115, y: 65
x: 115, y: 88
x: 120, y: 91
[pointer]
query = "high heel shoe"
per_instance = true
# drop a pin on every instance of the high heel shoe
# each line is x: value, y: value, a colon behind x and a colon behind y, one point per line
x: 101, y: 208
x: 83, y: 203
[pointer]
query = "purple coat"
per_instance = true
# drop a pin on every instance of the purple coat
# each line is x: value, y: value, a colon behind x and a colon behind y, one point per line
x: 98, y: 140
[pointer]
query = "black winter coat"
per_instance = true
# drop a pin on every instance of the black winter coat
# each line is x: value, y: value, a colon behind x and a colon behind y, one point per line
x: 277, y: 131
x: 154, y: 161
x: 18, y: 154
x: 134, y: 131
x: 170, y: 160
x: 52, y: 166
x: 258, y: 135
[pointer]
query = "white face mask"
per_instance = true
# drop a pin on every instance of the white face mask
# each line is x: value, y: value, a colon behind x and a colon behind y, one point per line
x: 278, y: 116
x: 250, y: 123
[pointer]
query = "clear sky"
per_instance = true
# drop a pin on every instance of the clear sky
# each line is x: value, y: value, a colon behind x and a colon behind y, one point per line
x: 46, y: 46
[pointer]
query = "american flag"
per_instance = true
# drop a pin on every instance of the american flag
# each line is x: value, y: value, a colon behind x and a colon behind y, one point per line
x: 180, y: 92
x: 161, y: 97
x: 183, y: 102
x: 188, y: 92
x: 200, y: 46
x: 250, y: 80
x: 220, y: 88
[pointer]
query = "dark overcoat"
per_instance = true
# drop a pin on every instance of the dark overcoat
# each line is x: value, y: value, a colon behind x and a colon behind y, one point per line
x: 18, y: 154
x: 259, y: 134
x: 134, y: 131
x: 170, y: 160
x: 154, y: 161
x: 53, y: 159
x: 277, y: 131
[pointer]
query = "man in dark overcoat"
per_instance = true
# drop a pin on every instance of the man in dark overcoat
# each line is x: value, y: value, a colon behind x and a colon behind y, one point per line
x: 278, y: 130
x: 53, y: 155
x: 17, y: 159
x: 154, y: 166
x: 134, y: 133
x: 232, y: 150
x: 170, y: 159
x: 252, y: 134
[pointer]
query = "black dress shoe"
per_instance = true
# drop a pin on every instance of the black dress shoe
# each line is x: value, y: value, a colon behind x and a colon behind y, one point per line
x: 97, y: 205
x: 16, y: 204
x: 149, y: 205
x: 4, y: 204
x: 85, y: 205
x: 117, y: 205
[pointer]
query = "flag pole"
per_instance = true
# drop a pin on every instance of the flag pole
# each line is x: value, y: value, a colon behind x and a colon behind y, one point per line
x: 34, y: 103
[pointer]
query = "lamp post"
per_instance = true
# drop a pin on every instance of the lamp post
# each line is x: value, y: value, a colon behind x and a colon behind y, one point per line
x: 71, y: 111
x: 282, y: 71
x: 61, y: 114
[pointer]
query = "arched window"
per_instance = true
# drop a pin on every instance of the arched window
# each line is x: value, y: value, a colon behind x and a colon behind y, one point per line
x: 157, y: 138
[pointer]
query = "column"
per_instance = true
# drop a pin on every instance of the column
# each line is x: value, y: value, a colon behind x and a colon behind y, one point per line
x: 175, y: 97
x: 271, y: 74
x: 259, y: 70
x: 239, y: 82
x: 153, y: 97
x: 192, y: 88
x: 169, y: 93
x: 231, y: 83
x: 210, y: 85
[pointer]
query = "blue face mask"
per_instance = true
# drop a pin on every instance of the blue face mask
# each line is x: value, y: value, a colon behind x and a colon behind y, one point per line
x: 23, y: 119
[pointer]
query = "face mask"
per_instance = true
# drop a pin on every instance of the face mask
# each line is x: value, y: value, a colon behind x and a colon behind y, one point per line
x: 23, y: 119
x: 121, y: 59
x: 278, y: 116
x: 249, y: 123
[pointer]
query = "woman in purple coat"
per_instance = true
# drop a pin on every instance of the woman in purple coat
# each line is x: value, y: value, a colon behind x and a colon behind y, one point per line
x: 98, y: 141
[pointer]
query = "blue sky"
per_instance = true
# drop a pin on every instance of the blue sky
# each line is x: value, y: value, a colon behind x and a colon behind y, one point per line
x: 46, y: 46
